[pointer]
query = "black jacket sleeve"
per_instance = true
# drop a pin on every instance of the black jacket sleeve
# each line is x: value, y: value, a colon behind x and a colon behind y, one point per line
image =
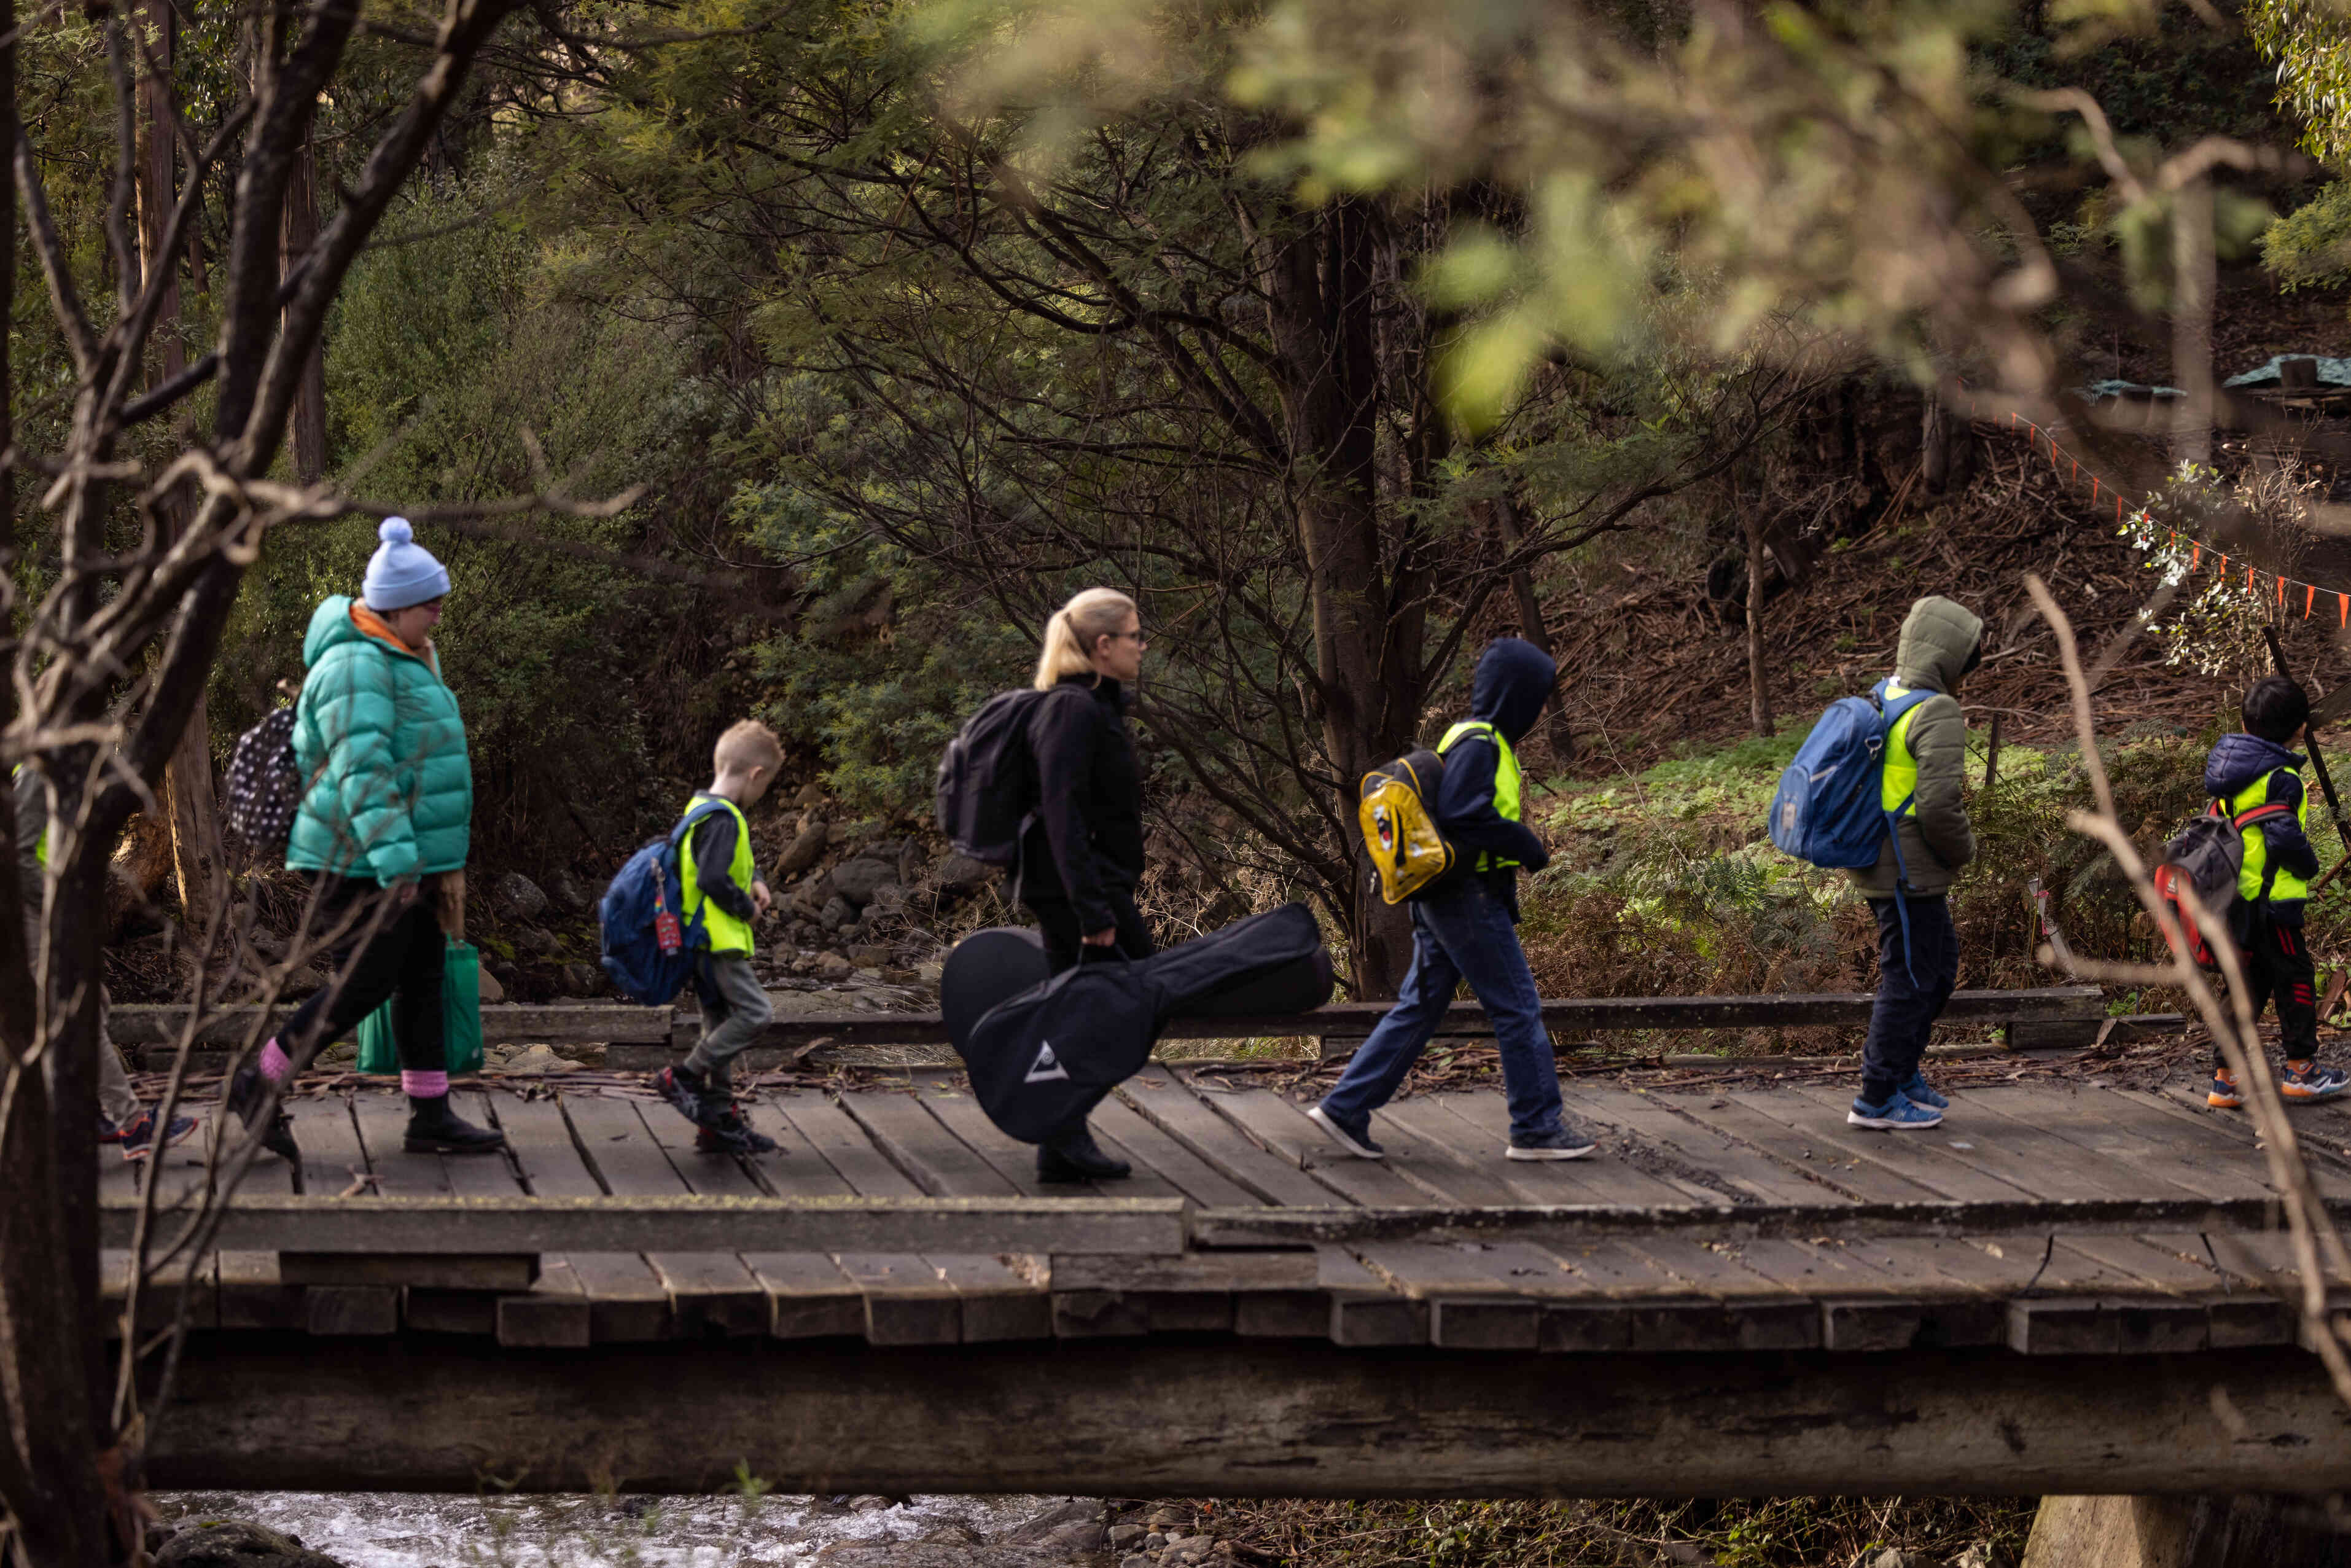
x: 2289, y: 847
x: 712, y: 844
x: 1465, y: 806
x: 1061, y: 737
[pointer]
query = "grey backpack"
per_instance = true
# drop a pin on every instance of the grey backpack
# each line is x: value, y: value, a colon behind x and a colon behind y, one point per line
x: 2208, y: 855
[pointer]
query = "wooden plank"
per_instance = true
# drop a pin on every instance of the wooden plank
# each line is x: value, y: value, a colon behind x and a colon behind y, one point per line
x: 1754, y: 1310
x: 336, y: 1309
x: 382, y: 1121
x: 1172, y: 1107
x: 333, y: 1160
x: 620, y: 1299
x: 1912, y: 1155
x: 843, y: 1143
x: 1366, y: 1311
x: 907, y: 1301
x: 1478, y: 1123
x: 160, y: 1298
x: 1840, y: 1171
x: 253, y: 1297
x: 1283, y: 1129
x: 2019, y: 1153
x: 417, y: 1271
x: 1153, y: 1418
x: 940, y: 1163
x: 709, y: 1291
x: 1016, y: 1162
x: 1124, y: 1131
x: 555, y: 1313
x: 503, y: 1023
x: 1412, y: 1134
x: 2118, y: 1129
x: 1659, y: 1120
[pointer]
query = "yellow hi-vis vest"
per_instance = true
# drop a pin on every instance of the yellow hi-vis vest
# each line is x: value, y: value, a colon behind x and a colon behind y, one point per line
x: 1506, y: 783
x: 1900, y: 776
x: 2284, y: 886
x: 721, y: 931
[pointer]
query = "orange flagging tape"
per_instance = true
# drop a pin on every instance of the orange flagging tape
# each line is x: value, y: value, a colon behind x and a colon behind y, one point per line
x: 2281, y: 592
x: 2195, y: 557
x: 2309, y: 597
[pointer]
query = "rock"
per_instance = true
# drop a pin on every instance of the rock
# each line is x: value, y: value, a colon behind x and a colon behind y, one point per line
x: 871, y: 1504
x: 1137, y: 1561
x: 531, y: 939
x: 900, y: 976
x: 834, y: 966
x: 888, y: 899
x: 1976, y: 1556
x: 811, y: 794
x: 962, y: 874
x: 236, y: 1543
x: 836, y: 913
x: 857, y: 880
x: 1889, y: 1558
x: 538, y: 1061
x: 928, y: 974
x: 809, y: 895
x: 1119, y: 1534
x: 568, y: 894
x: 491, y: 990
x: 805, y: 849
x: 518, y: 897
x: 1190, y: 1542
x: 869, y: 957
x: 1154, y: 1541
x: 582, y: 980
x: 1161, y: 1518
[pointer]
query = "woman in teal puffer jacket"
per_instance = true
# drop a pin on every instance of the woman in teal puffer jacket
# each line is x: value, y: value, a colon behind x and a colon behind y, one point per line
x: 387, y: 815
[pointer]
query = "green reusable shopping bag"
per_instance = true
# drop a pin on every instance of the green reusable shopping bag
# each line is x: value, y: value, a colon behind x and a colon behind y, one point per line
x: 461, y: 1018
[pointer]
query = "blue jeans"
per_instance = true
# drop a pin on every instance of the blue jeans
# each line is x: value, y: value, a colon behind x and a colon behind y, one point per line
x: 1907, y: 1008
x: 1463, y: 932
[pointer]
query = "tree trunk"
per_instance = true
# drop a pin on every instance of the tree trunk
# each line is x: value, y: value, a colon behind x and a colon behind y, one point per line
x: 197, y: 859
x: 1947, y: 448
x: 299, y: 233
x: 2183, y: 1532
x: 1758, y: 694
x: 1531, y: 627
x: 2194, y: 284
x: 1368, y: 661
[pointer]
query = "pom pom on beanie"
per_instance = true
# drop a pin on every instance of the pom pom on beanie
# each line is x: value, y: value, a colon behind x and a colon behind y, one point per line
x: 402, y: 572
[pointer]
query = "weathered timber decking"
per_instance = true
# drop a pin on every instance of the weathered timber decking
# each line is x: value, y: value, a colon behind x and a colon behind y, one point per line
x: 1739, y: 1295
x: 2041, y: 1219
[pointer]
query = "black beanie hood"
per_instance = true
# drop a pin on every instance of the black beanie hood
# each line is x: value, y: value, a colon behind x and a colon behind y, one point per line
x: 1513, y: 678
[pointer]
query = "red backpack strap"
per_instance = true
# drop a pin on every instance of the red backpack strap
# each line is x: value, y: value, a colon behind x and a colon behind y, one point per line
x: 2259, y: 814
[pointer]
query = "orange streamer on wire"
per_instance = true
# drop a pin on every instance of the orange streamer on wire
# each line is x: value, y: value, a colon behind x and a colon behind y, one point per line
x: 2309, y: 597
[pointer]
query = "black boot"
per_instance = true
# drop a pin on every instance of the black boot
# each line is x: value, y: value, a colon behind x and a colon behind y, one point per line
x: 434, y: 1129
x: 248, y: 1101
x: 1077, y: 1157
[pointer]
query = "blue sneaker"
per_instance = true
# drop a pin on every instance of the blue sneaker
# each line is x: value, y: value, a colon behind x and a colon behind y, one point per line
x: 1560, y: 1143
x: 2306, y: 1082
x: 139, y: 1138
x: 1899, y: 1114
x: 1918, y: 1091
x: 1354, y: 1137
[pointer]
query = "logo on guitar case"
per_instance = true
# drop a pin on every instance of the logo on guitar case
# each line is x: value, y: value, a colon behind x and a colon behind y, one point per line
x: 1047, y: 1068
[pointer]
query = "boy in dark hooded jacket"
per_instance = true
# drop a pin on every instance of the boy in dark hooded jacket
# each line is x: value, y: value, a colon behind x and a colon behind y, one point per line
x: 1465, y: 928
x: 2245, y: 773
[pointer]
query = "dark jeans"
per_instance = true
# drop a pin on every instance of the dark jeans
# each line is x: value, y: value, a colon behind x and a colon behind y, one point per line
x: 735, y: 1008
x: 1463, y: 932
x: 2277, y: 965
x: 1064, y: 940
x: 1907, y: 1008
x: 404, y: 962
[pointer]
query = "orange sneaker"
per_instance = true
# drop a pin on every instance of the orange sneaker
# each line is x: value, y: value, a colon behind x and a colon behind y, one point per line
x: 2224, y: 1095
x: 2306, y: 1081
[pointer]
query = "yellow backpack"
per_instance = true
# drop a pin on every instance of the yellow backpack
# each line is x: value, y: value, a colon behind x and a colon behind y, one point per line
x: 1400, y: 824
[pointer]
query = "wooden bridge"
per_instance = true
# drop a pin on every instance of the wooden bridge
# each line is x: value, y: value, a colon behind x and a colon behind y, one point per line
x: 2075, y: 1285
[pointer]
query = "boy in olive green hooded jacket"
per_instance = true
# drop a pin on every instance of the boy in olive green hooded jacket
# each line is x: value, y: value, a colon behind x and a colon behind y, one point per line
x: 1917, y: 947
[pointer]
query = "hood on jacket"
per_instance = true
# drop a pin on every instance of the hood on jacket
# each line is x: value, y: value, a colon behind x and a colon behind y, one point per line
x: 1514, y: 679
x: 1938, y: 644
x: 2241, y: 759
x: 334, y: 624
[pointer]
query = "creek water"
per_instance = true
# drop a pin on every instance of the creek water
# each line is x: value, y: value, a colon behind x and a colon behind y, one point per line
x: 396, y: 1530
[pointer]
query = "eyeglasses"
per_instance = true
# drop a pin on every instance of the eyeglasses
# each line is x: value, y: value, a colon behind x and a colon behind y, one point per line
x: 1142, y: 638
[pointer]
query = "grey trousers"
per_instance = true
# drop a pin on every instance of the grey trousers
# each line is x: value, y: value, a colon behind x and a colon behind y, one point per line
x: 735, y: 1008
x: 116, y: 1102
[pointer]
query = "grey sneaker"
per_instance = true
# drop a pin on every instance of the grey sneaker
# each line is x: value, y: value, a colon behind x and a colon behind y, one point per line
x: 1355, y: 1137
x: 1561, y: 1144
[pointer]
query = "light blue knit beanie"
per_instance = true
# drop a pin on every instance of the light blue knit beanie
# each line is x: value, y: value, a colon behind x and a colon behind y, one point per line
x: 402, y: 572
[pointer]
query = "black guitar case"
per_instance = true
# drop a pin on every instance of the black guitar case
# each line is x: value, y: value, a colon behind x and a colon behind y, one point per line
x: 1043, y: 1053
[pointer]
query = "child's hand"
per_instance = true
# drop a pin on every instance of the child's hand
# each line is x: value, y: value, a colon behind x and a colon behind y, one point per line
x: 760, y: 898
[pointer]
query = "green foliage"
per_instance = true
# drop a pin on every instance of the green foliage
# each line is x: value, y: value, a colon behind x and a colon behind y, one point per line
x: 2311, y: 42
x: 2310, y: 247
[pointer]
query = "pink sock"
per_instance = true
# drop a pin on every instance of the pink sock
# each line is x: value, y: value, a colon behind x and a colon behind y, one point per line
x: 275, y: 1064
x: 424, y: 1085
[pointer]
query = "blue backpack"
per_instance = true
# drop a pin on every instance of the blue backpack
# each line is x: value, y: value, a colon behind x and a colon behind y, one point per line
x: 1829, y: 810
x: 647, y: 949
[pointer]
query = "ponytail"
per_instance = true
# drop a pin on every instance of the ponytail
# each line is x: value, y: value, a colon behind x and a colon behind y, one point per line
x: 1070, y: 635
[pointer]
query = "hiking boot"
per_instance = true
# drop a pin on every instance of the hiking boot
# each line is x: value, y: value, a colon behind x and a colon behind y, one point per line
x: 248, y: 1101
x: 1918, y: 1091
x: 1078, y: 1157
x: 1897, y: 1113
x: 1559, y: 1144
x: 729, y: 1133
x: 693, y: 1096
x: 1352, y: 1135
x: 139, y: 1138
x: 2225, y: 1094
x: 434, y: 1129
x: 2306, y: 1083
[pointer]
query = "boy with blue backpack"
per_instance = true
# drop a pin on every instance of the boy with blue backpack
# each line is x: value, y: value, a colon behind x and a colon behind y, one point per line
x: 1878, y: 790
x: 2257, y: 781
x: 723, y: 896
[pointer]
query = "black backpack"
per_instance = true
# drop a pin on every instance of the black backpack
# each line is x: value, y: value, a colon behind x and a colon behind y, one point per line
x: 265, y: 784
x: 987, y: 789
